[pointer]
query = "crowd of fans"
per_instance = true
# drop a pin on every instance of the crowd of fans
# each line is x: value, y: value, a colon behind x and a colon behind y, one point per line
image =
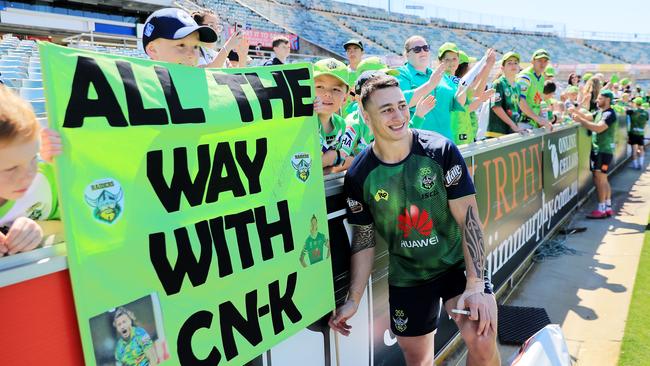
x: 456, y: 96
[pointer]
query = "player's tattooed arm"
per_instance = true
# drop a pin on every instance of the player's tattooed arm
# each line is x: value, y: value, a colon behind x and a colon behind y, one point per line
x: 474, y: 238
x: 363, y: 237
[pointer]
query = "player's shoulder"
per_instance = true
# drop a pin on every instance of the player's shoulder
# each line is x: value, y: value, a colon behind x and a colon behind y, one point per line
x: 363, y: 163
x: 433, y: 145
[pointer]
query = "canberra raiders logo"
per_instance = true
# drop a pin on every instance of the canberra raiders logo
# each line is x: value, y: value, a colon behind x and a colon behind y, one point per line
x: 301, y: 162
x: 106, y: 198
x: 399, y: 320
x: 426, y: 179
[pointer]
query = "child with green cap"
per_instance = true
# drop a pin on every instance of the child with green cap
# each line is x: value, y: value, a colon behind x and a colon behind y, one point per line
x: 505, y: 114
x: 331, y: 85
x: 464, y: 124
x: 636, y: 132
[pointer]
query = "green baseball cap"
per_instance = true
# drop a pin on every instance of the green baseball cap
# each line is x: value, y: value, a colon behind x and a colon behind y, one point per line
x: 508, y: 55
x: 625, y: 81
x: 541, y: 53
x: 587, y: 76
x: 608, y: 94
x: 353, y: 42
x: 464, y: 59
x: 333, y: 67
x: 645, y: 105
x: 549, y: 71
x: 447, y: 46
x: 572, y: 89
x: 637, y: 100
x: 375, y: 63
x: 614, y: 79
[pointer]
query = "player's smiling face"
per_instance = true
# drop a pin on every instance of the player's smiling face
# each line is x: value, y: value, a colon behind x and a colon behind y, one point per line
x: 388, y: 114
x: 123, y: 326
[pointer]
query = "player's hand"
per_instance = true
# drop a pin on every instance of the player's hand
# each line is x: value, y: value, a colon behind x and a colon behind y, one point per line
x: 482, y: 308
x: 50, y: 144
x: 339, y: 319
x: 425, y: 105
x: 24, y: 235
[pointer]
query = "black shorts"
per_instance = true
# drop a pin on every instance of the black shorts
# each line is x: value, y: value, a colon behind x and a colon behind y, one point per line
x: 414, y: 310
x: 635, y: 139
x: 600, y: 161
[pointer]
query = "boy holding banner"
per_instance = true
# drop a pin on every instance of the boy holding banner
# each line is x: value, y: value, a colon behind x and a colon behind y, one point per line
x: 28, y: 193
x: 396, y: 190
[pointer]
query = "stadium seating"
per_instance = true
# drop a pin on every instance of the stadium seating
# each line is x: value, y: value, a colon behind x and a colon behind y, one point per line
x: 631, y: 52
x: 313, y: 26
x: 230, y: 11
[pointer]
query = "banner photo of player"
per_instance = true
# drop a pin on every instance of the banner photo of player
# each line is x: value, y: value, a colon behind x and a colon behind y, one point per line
x: 130, y: 335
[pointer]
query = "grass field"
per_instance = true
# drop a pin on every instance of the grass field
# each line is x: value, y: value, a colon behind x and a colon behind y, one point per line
x: 635, y: 350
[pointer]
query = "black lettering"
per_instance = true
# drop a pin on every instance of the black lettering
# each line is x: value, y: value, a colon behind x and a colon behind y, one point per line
x: 182, y: 183
x: 266, y: 94
x: 252, y: 169
x: 283, y: 304
x: 80, y: 106
x: 267, y: 230
x: 221, y: 247
x: 231, y: 181
x: 186, y: 356
x: 234, y: 83
x: 138, y: 115
x: 177, y: 113
x: 300, y: 92
x: 248, y: 327
x: 240, y: 222
x: 186, y: 263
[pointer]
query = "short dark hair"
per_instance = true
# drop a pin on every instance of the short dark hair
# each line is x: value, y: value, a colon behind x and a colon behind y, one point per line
x: 549, y: 87
x: 278, y: 40
x: 199, y: 16
x: 380, y: 81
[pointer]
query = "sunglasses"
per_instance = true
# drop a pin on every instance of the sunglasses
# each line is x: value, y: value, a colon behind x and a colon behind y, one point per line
x: 418, y: 49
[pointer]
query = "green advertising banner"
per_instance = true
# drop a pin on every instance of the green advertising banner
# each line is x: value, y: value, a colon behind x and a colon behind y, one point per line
x: 193, y: 205
x: 561, y: 160
x: 509, y: 188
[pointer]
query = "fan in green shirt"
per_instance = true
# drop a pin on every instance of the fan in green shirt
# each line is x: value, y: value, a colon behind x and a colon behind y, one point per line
x: 636, y: 133
x: 531, y: 83
x: 504, y: 108
x: 417, y: 80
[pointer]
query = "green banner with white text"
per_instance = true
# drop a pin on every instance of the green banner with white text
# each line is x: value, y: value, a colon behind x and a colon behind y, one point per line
x: 193, y: 203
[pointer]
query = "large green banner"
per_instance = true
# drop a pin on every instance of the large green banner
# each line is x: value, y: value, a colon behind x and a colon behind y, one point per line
x: 193, y: 204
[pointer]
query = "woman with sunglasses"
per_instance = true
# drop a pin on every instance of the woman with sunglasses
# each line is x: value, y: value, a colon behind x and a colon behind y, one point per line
x: 418, y: 80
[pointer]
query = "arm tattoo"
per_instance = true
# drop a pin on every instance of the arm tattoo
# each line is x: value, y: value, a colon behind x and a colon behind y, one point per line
x: 363, y: 237
x: 474, y: 239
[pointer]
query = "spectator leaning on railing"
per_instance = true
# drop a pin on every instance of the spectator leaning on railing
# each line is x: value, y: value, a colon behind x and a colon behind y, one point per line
x: 505, y: 114
x: 28, y: 199
x: 531, y: 82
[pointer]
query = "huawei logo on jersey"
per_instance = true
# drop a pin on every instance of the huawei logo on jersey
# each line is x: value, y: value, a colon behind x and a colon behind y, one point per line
x: 414, y: 219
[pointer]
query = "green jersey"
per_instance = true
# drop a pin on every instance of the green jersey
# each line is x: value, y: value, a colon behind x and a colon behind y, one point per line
x: 506, y: 96
x: 314, y: 247
x: 39, y: 203
x: 461, y: 124
x: 532, y: 90
x: 408, y: 204
x: 638, y: 120
x: 605, y: 142
x: 361, y: 134
x: 333, y: 139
